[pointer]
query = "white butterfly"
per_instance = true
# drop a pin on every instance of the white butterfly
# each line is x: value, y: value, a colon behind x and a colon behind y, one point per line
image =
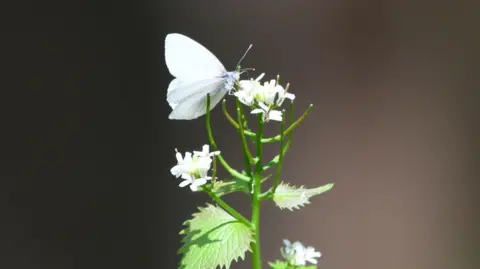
x: 197, y: 73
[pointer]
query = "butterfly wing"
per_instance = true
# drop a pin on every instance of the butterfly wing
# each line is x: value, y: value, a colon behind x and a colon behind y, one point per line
x: 179, y: 91
x: 187, y: 60
x: 195, y: 105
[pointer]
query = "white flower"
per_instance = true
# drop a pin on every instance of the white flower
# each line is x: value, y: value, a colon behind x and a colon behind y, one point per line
x: 268, y: 114
x: 271, y: 93
x: 264, y: 98
x: 206, y: 152
x: 248, y: 89
x: 193, y: 169
x: 194, y: 182
x: 297, y: 254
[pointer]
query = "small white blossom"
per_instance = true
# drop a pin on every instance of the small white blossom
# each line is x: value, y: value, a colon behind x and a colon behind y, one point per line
x: 273, y: 94
x: 194, y: 182
x: 264, y: 98
x: 268, y: 114
x: 297, y: 254
x: 248, y: 89
x: 206, y: 152
x: 194, y: 168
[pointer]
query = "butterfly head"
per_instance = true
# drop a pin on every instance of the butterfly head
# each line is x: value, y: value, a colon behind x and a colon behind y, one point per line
x: 230, y: 79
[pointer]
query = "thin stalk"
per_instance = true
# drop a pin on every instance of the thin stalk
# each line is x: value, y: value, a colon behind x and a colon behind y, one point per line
x: 246, y: 152
x: 214, y: 169
x: 245, y: 127
x: 280, y: 158
x: 269, y: 194
x: 290, y: 118
x: 292, y: 126
x: 227, y: 115
x: 228, y: 208
x: 224, y: 163
x: 275, y: 160
x: 256, y: 257
x: 244, y: 119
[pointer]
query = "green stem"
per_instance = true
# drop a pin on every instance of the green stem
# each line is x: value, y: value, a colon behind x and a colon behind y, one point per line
x: 224, y: 163
x: 280, y: 158
x: 275, y: 160
x: 246, y: 152
x: 229, y: 118
x: 214, y: 169
x: 268, y: 139
x: 244, y: 119
x: 228, y: 208
x: 256, y: 257
x: 289, y: 129
x: 269, y: 193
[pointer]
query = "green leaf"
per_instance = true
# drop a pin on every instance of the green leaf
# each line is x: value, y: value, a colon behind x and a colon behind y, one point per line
x: 221, y: 188
x: 213, y: 238
x: 224, y: 187
x: 279, y: 265
x: 284, y: 265
x: 290, y: 197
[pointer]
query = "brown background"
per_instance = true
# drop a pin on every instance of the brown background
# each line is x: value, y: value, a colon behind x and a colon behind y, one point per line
x: 395, y: 126
x: 395, y: 118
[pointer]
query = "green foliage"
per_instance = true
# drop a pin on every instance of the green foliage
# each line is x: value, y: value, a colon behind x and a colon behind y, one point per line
x: 221, y: 188
x: 290, y: 197
x: 213, y: 238
x: 285, y: 265
x: 224, y: 187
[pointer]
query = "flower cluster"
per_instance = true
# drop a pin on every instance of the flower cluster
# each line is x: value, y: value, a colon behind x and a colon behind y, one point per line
x: 297, y: 254
x: 193, y: 169
x: 264, y: 98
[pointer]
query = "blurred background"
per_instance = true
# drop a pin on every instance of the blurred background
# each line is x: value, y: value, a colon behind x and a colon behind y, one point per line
x: 87, y: 145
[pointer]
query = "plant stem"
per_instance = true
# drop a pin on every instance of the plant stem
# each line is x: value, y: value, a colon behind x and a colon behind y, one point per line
x: 256, y: 256
x: 214, y: 170
x: 224, y: 163
x: 227, y: 208
x: 246, y: 152
x: 280, y: 158
x: 229, y: 118
x: 289, y: 129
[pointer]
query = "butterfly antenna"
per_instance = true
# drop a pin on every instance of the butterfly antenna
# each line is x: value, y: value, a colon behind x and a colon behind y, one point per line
x: 245, y: 54
x: 243, y: 70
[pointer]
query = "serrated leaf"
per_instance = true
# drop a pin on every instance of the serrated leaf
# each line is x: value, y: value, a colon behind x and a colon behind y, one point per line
x: 221, y: 188
x: 213, y: 239
x: 284, y: 265
x: 290, y: 197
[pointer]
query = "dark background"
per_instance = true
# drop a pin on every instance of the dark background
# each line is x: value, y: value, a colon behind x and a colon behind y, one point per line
x: 87, y: 147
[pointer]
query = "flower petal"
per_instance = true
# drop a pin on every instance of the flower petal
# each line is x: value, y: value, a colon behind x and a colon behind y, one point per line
x: 185, y: 183
x: 290, y: 96
x: 206, y: 149
x: 193, y: 186
x: 263, y: 106
x: 178, y: 155
x: 275, y: 115
x: 200, y: 181
x: 257, y: 110
x: 260, y: 77
x: 214, y: 153
x: 188, y: 157
x: 177, y: 170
